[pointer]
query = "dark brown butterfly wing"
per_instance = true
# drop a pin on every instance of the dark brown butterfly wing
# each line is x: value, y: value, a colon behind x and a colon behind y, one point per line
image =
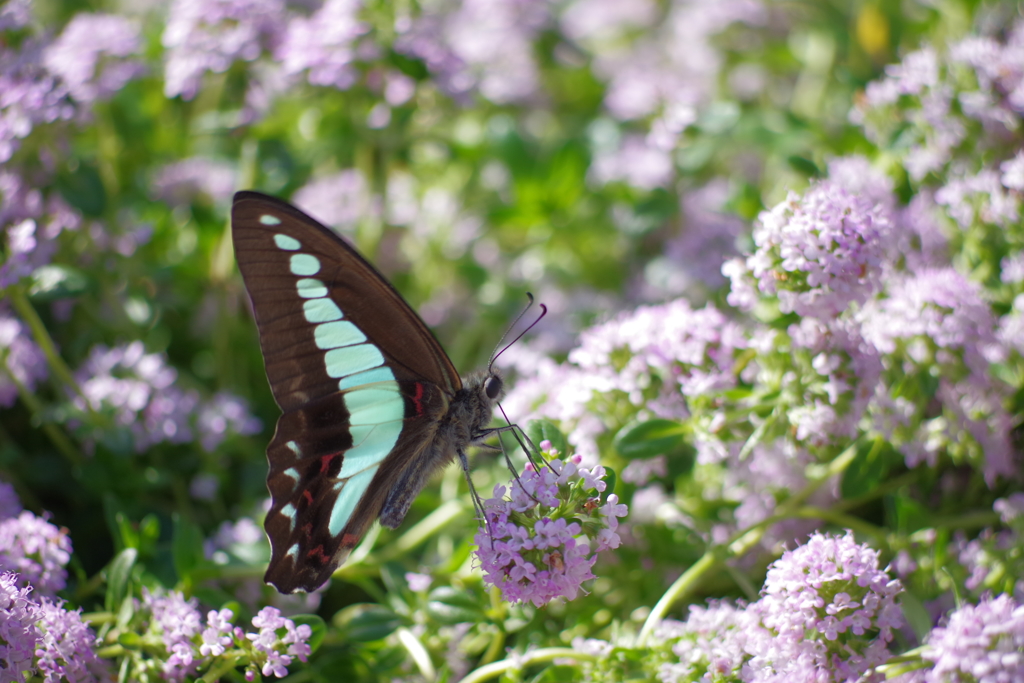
x: 362, y: 382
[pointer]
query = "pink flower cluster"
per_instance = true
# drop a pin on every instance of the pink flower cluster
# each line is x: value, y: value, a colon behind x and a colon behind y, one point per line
x: 535, y: 545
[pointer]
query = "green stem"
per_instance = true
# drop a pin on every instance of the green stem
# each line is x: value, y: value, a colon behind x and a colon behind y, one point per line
x: 744, y: 540
x: 534, y: 657
x: 43, y: 339
x: 35, y: 406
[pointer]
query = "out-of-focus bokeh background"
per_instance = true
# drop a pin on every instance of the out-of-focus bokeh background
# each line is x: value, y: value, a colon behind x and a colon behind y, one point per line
x: 606, y: 155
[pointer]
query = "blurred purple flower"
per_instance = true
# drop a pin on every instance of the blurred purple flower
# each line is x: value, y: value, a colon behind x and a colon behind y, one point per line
x: 324, y: 44
x: 639, y: 472
x: 937, y: 318
x: 176, y: 621
x: 18, y: 634
x: 240, y: 538
x: 707, y: 238
x: 138, y: 389
x: 418, y: 582
x: 37, y: 550
x: 32, y: 225
x: 10, y: 504
x: 980, y: 642
x: 223, y: 414
x: 816, y: 254
x: 21, y: 360
x: 210, y: 35
x: 715, y: 640
x: 89, y: 55
x: 204, y: 486
x: 1010, y: 508
x: 525, y: 545
x: 183, y: 181
x: 65, y: 646
x: 269, y: 642
x: 15, y: 14
x: 690, y: 352
x: 29, y: 94
x: 478, y: 45
x: 981, y: 197
x: 635, y: 162
x: 340, y: 200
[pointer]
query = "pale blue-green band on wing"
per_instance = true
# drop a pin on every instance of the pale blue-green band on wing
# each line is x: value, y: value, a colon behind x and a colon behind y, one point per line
x: 292, y: 473
x: 351, y: 359
x: 286, y: 242
x: 381, y: 374
x: 336, y: 334
x: 293, y: 552
x: 311, y: 288
x: 267, y: 219
x: 321, y: 310
x: 304, y: 264
x: 288, y: 511
x: 375, y: 405
x: 294, y: 448
x: 351, y: 491
x: 372, y: 443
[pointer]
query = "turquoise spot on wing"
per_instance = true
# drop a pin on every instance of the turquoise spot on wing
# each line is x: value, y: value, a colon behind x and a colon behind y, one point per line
x: 292, y: 473
x: 351, y: 491
x: 294, y: 448
x: 310, y: 288
x: 350, y: 359
x: 293, y: 552
x: 372, y: 444
x: 267, y: 219
x: 339, y: 333
x: 321, y: 310
x: 286, y: 242
x: 304, y: 264
x: 374, y: 405
x: 289, y: 512
x: 381, y: 374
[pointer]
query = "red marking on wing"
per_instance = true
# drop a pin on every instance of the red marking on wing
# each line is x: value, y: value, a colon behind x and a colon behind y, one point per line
x: 317, y: 554
x: 325, y: 461
x: 418, y: 398
x: 307, y: 529
x: 349, y: 540
x: 308, y: 496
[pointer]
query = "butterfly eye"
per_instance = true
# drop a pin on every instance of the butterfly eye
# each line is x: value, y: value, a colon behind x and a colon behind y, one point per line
x: 492, y: 387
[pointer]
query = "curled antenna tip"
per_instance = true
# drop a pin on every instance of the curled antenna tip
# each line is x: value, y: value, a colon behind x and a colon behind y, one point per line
x: 529, y: 296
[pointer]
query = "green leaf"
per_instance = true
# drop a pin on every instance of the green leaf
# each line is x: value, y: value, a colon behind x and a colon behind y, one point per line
x: 449, y: 605
x: 870, y: 467
x: 318, y: 625
x: 367, y: 622
x: 54, y: 281
x: 119, y: 573
x: 81, y: 186
x: 651, y: 438
x: 610, y: 480
x: 543, y: 430
x: 186, y: 546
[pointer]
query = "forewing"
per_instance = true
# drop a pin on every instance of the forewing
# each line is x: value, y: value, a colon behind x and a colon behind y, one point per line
x: 327, y: 319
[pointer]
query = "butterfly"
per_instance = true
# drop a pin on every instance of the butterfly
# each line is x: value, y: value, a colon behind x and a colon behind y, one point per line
x: 371, y: 404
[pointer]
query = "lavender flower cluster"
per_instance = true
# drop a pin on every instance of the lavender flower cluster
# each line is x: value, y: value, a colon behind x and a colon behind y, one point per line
x: 535, y: 545
x: 827, y: 613
x: 139, y: 391
x: 190, y: 646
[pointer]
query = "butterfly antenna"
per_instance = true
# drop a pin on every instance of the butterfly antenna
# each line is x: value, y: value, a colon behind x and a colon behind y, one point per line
x: 496, y: 353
